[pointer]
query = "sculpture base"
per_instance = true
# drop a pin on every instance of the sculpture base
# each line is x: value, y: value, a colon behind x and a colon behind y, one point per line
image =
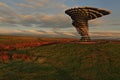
x: 85, y: 39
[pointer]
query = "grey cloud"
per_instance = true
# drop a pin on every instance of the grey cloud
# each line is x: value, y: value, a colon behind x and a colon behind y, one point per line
x: 96, y: 22
x: 39, y: 20
x: 24, y: 5
x: 58, y: 20
x: 41, y: 31
x: 4, y: 5
x: 106, y: 34
x: 116, y: 24
x: 48, y: 33
x: 8, y: 16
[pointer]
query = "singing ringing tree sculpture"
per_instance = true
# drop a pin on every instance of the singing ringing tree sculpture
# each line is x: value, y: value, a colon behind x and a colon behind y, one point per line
x: 80, y: 17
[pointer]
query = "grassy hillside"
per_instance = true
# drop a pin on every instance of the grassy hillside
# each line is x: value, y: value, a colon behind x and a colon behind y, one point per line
x: 65, y: 62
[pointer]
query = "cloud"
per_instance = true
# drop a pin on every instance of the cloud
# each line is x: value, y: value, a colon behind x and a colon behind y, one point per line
x: 49, y: 33
x: 68, y: 33
x: 105, y: 34
x: 47, y: 14
x: 38, y: 20
x: 24, y: 5
x: 3, y: 5
x: 47, y: 4
x: 42, y: 20
x: 96, y: 22
x: 9, y: 16
x: 116, y: 24
x: 58, y: 20
x: 55, y: 33
x: 46, y: 33
x: 7, y: 31
x: 37, y: 3
x: 41, y: 4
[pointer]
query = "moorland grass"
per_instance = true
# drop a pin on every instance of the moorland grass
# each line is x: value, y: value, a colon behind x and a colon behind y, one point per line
x: 66, y: 62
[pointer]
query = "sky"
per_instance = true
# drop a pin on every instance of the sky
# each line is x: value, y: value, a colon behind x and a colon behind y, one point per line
x: 46, y: 18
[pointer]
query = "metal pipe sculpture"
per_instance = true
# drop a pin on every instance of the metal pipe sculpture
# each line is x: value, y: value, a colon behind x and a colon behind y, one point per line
x: 80, y: 17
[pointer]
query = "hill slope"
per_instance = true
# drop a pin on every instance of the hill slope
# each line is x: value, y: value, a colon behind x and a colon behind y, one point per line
x: 65, y: 62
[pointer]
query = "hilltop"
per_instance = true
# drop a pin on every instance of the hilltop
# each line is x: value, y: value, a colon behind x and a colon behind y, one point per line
x: 31, y: 58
